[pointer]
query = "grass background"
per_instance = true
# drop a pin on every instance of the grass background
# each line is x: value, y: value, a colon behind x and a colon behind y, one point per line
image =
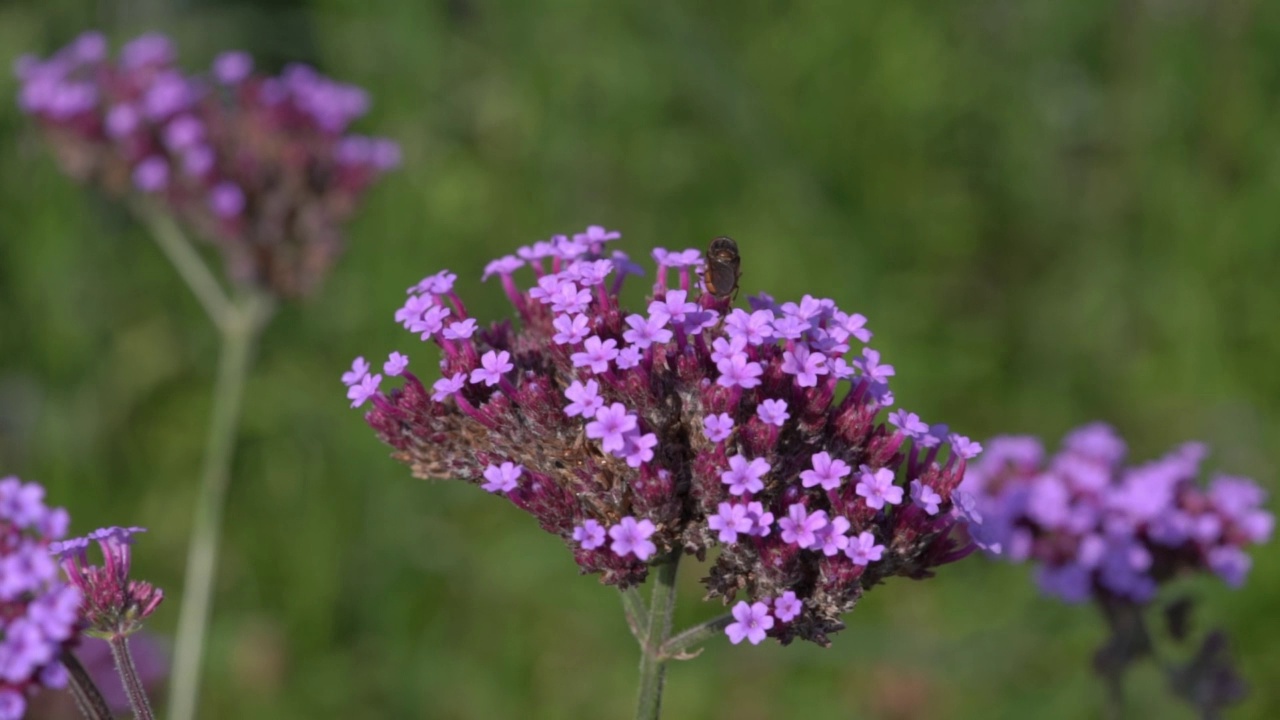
x: 1050, y: 212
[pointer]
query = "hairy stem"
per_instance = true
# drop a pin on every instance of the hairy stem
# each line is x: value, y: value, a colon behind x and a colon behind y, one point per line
x: 637, y: 613
x: 653, y: 667
x: 239, y: 335
x: 129, y: 676
x: 86, y: 694
x: 674, y: 648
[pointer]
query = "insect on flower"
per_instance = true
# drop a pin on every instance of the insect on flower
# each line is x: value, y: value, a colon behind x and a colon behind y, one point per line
x: 722, y: 271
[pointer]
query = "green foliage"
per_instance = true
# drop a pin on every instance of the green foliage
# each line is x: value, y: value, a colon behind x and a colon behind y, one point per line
x: 1050, y: 212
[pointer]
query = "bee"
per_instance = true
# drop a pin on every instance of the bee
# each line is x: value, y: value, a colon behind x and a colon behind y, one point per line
x: 722, y: 270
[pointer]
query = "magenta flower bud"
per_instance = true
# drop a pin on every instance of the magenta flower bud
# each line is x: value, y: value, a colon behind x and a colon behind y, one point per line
x: 679, y: 426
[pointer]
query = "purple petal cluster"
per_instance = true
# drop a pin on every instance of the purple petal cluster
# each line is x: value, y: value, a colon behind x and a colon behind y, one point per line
x: 112, y: 604
x: 39, y: 613
x: 683, y: 427
x: 263, y: 166
x: 1098, y: 527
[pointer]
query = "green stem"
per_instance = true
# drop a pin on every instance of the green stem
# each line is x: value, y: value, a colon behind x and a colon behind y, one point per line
x: 133, y: 686
x: 673, y: 649
x: 637, y: 613
x: 239, y: 335
x: 86, y: 694
x: 187, y: 261
x: 653, y: 667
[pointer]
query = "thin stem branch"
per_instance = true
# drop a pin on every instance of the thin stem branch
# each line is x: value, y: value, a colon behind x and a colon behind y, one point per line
x: 674, y: 648
x: 637, y: 613
x: 653, y: 667
x: 187, y: 261
x: 133, y: 685
x: 239, y: 335
x: 86, y: 694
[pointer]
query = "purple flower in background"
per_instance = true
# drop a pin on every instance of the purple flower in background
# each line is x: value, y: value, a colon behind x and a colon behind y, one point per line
x: 689, y: 426
x: 270, y: 153
x: 752, y: 622
x: 924, y: 497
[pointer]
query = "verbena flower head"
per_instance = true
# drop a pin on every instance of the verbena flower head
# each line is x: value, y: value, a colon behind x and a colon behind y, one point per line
x: 263, y: 166
x: 113, y: 605
x: 1095, y: 525
x: 38, y: 611
x: 684, y: 425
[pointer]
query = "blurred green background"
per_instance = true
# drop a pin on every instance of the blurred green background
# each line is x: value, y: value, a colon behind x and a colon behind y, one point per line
x: 1051, y: 213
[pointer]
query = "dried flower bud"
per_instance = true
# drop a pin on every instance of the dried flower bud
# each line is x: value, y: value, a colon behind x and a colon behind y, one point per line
x: 112, y: 605
x: 683, y: 427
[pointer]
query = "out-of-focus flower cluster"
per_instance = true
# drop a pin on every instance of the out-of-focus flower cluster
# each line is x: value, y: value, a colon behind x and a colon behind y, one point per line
x: 261, y: 165
x: 687, y: 426
x: 1096, y: 525
x: 39, y: 615
x: 113, y: 604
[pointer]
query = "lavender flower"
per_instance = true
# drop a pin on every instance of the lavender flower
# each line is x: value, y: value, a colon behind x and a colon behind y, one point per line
x: 681, y: 428
x: 39, y: 615
x: 261, y: 166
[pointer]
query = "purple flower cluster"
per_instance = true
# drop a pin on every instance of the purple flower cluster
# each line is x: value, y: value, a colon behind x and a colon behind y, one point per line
x: 682, y: 427
x: 262, y: 165
x: 113, y: 604
x: 1096, y: 526
x: 39, y: 615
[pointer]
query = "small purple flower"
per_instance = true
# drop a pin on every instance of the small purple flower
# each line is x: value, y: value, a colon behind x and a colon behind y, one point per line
x: 638, y: 448
x: 1231, y: 564
x: 232, y: 67
x: 717, y: 427
x: 724, y: 349
x: 438, y: 284
x: 754, y: 328
x: 610, y: 426
x: 589, y: 535
x: 431, y: 322
x: 925, y: 497
x: 111, y: 603
x: 744, y: 476
x: 122, y: 120
x: 761, y: 520
x: 826, y: 472
x: 787, y: 607
x: 871, y: 367
x: 773, y: 412
x: 646, y: 331
x: 460, y: 330
x: 505, y: 265
x: 878, y: 488
x: 909, y: 423
x: 226, y: 200
x: 501, y: 478
x: 568, y: 299
x: 752, y: 623
x: 151, y: 175
x: 445, y: 387
x: 570, y: 330
x: 790, y: 327
x: 395, y: 364
x: 360, y: 392
x: 805, y: 365
x: 730, y: 520
x: 831, y: 538
x: 586, y: 399
x: 359, y: 368
x: 493, y: 364
x: 632, y: 538
x: 629, y: 357
x: 182, y: 132
x: 964, y: 447
x: 673, y: 308
x: 863, y: 549
x: 800, y: 527
x: 596, y: 354
x: 738, y: 371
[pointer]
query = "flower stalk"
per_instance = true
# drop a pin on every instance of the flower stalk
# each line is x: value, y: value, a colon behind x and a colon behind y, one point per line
x: 88, y: 697
x: 653, y: 664
x: 133, y: 684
